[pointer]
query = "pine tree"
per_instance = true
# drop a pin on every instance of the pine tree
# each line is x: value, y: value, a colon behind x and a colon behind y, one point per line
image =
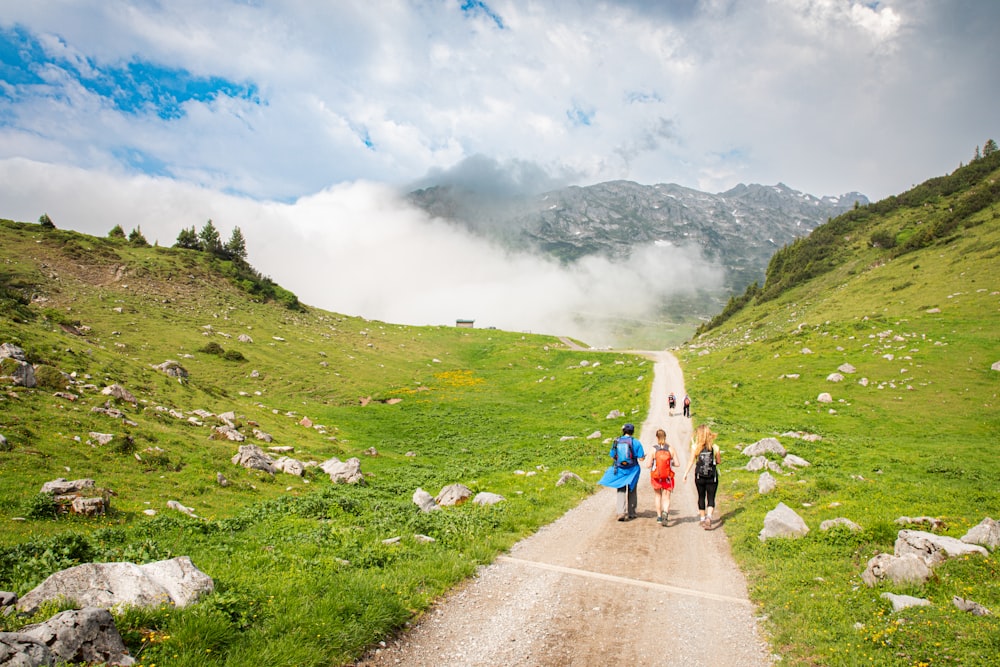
x: 136, y: 238
x: 977, y: 156
x: 188, y: 238
x: 46, y: 222
x: 236, y: 248
x: 990, y: 148
x: 209, y: 237
x: 116, y: 232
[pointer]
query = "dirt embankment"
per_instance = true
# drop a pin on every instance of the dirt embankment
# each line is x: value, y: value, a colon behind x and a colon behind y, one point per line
x: 589, y: 590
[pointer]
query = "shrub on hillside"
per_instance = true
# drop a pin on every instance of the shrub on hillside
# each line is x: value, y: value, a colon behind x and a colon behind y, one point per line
x: 41, y: 506
x: 50, y: 377
x: 233, y: 355
x: 882, y: 239
x: 213, y: 348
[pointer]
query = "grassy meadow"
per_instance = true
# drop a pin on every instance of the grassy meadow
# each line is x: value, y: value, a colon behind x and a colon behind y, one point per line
x: 302, y: 574
x: 921, y: 439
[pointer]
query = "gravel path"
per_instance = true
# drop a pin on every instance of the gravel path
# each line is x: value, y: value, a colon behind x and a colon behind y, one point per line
x: 589, y: 590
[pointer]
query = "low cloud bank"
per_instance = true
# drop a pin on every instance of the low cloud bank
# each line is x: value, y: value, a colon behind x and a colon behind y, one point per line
x: 359, y: 249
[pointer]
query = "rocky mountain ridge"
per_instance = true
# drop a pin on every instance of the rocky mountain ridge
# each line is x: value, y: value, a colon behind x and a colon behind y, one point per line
x: 740, y: 228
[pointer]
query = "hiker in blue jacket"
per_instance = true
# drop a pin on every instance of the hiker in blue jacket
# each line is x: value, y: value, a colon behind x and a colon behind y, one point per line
x: 626, y: 452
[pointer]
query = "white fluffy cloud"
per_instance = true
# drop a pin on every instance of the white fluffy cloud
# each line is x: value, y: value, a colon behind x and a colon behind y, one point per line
x: 826, y: 95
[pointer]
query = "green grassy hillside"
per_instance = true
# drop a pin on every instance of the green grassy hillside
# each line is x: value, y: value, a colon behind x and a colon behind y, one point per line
x: 908, y: 292
x: 302, y: 574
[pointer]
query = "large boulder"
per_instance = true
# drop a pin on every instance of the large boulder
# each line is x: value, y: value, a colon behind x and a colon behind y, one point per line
x: 253, y: 457
x: 900, y: 570
x: 63, y: 487
x: 782, y: 521
x: 934, y: 549
x: 176, y: 582
x: 453, y: 494
x: 343, y: 472
x: 11, y: 351
x: 18, y: 650
x: 87, y: 635
x: 986, y: 534
x: 21, y: 373
x: 765, y: 446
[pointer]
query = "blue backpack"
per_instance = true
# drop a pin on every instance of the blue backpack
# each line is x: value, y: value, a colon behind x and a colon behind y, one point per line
x: 624, y: 453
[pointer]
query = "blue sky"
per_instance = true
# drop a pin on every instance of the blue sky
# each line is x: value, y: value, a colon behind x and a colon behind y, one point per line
x: 278, y: 103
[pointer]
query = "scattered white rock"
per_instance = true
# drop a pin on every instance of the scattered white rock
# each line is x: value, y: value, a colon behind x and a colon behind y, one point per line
x: 765, y: 446
x: 120, y: 393
x: 766, y: 483
x: 793, y: 461
x: 568, y: 476
x: 487, y: 498
x: 347, y: 472
x: 934, y: 549
x: 782, y: 521
x: 453, y: 494
x: 594, y: 436
x: 973, y: 608
x: 901, y: 602
x: 424, y: 501
x: 174, y: 505
x: 847, y: 369
x: 834, y: 377
x: 254, y: 458
x: 824, y: 398
x: 900, y: 570
x: 986, y: 534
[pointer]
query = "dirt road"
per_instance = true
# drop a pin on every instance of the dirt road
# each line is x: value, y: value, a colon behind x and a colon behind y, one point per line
x: 589, y: 590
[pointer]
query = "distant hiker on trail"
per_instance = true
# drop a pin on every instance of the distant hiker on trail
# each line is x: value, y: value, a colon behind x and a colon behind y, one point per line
x: 687, y: 406
x: 705, y: 454
x: 626, y: 452
x: 661, y: 475
x: 672, y: 403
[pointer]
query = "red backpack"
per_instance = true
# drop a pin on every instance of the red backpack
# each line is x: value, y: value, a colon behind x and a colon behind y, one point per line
x: 661, y: 463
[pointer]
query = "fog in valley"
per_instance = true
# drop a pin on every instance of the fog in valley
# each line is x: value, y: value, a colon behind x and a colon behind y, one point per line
x: 359, y: 249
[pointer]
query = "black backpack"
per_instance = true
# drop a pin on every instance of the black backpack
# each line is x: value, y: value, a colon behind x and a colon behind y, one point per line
x: 705, y: 467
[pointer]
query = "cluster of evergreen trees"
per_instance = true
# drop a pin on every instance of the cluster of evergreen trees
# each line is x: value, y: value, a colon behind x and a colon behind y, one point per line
x: 208, y: 240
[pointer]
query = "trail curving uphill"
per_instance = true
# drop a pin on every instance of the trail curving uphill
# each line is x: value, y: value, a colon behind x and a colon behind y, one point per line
x: 589, y: 590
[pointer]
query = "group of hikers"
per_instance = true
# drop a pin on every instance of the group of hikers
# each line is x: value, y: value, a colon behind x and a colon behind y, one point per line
x: 629, y: 458
x: 672, y: 404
